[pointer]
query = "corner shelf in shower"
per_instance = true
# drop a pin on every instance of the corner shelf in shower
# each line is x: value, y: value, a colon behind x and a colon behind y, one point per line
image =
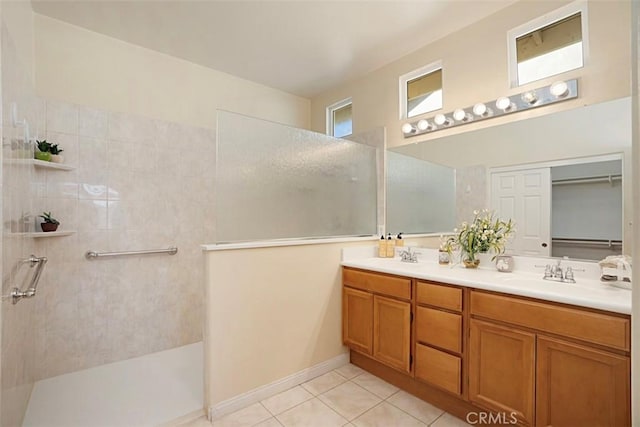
x: 39, y: 164
x: 41, y: 234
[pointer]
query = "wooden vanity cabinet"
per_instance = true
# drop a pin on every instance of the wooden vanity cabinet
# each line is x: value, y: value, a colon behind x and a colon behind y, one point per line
x: 542, y: 363
x: 439, y: 336
x: 502, y: 369
x: 376, y: 312
x: 580, y: 386
x: 357, y: 320
x: 519, y: 362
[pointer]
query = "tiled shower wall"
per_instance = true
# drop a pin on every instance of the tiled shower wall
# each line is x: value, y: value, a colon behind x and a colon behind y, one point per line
x: 18, y: 356
x: 139, y: 184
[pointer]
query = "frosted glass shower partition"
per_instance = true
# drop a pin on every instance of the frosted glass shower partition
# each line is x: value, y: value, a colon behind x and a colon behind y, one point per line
x: 420, y: 195
x: 278, y: 182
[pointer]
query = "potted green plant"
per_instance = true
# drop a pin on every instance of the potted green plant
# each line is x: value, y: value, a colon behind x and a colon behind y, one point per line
x: 55, y: 151
x: 43, y: 151
x: 50, y: 223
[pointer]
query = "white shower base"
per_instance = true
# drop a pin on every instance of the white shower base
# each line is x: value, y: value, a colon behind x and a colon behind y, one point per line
x: 144, y: 391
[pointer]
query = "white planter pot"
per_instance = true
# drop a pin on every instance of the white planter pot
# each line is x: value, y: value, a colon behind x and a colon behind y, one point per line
x: 57, y: 158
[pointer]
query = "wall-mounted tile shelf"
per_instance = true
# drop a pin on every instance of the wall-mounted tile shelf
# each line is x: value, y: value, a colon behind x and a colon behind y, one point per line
x: 40, y: 234
x: 39, y: 164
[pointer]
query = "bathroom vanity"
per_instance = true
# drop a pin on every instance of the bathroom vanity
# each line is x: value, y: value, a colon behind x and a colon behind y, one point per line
x: 525, y: 350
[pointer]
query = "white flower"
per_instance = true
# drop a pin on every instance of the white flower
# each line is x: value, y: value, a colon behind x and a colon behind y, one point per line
x: 476, y: 212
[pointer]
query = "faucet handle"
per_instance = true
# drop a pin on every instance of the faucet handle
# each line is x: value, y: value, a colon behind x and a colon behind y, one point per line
x: 547, y: 270
x: 568, y: 275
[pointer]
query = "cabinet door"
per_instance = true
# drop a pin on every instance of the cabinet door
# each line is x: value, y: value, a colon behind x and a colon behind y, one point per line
x: 392, y: 332
x: 501, y: 369
x: 581, y: 386
x: 357, y: 320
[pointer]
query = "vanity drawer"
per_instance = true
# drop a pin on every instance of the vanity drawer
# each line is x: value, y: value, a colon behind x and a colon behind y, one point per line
x: 394, y: 286
x: 438, y: 368
x: 439, y: 328
x: 441, y: 296
x: 598, y: 328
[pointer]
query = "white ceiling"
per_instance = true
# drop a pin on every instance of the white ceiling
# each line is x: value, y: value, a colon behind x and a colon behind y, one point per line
x: 298, y: 46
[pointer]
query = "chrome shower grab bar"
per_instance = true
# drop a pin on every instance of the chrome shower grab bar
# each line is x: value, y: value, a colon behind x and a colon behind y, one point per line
x: 17, y: 294
x: 93, y: 255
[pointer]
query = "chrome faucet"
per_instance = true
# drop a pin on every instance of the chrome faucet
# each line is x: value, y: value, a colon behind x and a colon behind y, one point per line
x: 408, y: 256
x: 554, y: 272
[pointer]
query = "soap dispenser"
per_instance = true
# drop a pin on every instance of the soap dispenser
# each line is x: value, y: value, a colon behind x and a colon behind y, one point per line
x: 391, y: 246
x: 399, y: 240
x: 382, y: 247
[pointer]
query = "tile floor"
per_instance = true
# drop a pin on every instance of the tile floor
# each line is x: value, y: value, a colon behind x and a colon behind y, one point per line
x: 347, y: 396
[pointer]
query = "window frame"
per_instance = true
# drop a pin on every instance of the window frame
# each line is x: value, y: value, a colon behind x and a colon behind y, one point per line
x: 406, y: 78
x: 543, y: 21
x: 329, y: 115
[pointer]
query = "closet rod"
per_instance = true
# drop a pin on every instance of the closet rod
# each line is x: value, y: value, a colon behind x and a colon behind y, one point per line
x: 607, y: 178
x: 585, y: 242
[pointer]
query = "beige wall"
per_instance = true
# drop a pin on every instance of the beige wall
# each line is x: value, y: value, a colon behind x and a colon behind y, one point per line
x: 82, y: 67
x: 272, y: 319
x: 475, y: 70
x: 276, y: 318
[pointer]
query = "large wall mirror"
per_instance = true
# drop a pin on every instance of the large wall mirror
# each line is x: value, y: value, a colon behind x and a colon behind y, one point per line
x: 579, y: 159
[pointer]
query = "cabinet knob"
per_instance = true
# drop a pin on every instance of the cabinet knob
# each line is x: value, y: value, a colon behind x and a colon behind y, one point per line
x: 544, y: 245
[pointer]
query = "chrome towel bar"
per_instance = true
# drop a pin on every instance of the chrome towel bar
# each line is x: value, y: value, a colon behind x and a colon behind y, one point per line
x: 93, y: 255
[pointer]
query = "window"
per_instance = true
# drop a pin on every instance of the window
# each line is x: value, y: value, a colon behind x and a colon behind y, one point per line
x: 421, y: 91
x: 339, y: 121
x: 550, y: 45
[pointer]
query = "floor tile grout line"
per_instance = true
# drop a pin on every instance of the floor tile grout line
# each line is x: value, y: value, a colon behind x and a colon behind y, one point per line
x: 294, y: 406
x: 440, y: 416
x: 358, y: 385
x: 396, y: 406
x: 368, y: 410
x: 339, y: 414
x: 337, y: 385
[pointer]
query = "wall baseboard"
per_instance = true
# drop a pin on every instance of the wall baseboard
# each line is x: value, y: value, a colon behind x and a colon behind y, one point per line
x: 192, y: 416
x: 256, y: 395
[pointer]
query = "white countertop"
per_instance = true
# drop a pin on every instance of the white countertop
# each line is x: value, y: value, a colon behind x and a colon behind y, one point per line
x: 589, y: 291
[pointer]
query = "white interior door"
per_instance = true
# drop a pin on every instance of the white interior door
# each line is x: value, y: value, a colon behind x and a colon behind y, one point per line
x: 525, y: 197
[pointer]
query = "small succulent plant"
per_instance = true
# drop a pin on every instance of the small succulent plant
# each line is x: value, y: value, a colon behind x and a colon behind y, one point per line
x: 48, y: 218
x: 55, y: 150
x: 44, y: 146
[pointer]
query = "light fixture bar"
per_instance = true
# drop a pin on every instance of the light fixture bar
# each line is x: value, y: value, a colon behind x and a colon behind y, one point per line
x: 533, y: 98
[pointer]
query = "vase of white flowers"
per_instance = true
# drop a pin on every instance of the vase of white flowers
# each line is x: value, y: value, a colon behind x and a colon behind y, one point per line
x: 485, y: 233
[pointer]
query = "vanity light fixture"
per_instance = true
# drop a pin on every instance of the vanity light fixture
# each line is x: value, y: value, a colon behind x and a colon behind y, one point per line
x: 481, y: 110
x: 533, y: 98
x: 530, y: 97
x: 442, y: 120
x: 559, y: 89
x: 423, y: 125
x: 505, y: 104
x: 408, y: 129
x: 462, y: 116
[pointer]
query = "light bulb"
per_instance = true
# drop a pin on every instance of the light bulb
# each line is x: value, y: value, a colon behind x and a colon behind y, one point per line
x: 407, y: 128
x: 423, y: 125
x: 559, y: 89
x: 503, y: 103
x: 441, y: 119
x: 481, y: 110
x: 461, y: 115
x: 530, y: 97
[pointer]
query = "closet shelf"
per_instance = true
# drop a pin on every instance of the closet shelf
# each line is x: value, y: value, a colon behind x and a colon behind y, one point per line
x: 41, y: 234
x: 39, y: 164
